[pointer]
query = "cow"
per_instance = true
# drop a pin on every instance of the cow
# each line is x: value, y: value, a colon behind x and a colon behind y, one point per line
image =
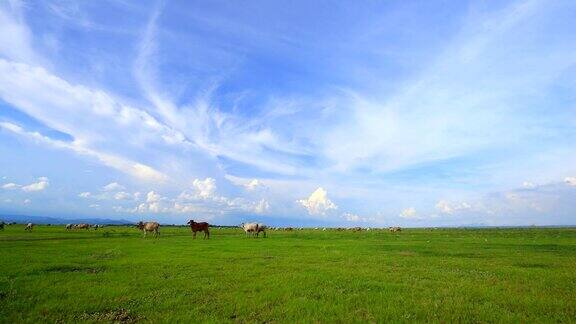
x: 261, y: 228
x: 82, y: 226
x: 249, y: 228
x: 149, y: 227
x: 29, y: 227
x: 68, y: 226
x: 196, y: 227
x: 395, y: 229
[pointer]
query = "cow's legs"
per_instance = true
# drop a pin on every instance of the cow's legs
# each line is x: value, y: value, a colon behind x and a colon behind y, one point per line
x: 194, y: 235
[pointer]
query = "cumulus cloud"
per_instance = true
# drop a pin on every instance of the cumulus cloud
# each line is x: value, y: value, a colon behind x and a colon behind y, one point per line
x: 27, y: 201
x: 409, y: 213
x: 571, y: 181
x: 205, y: 188
x: 114, y: 186
x: 254, y: 184
x: 202, y: 197
x: 42, y: 184
x: 85, y: 194
x: 528, y: 185
x: 261, y: 207
x: 122, y: 195
x: 318, y: 202
x: 351, y: 217
x: 447, y: 207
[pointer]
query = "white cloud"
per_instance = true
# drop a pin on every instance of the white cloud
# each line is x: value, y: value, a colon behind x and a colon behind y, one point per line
x: 447, y: 207
x: 571, y: 181
x: 27, y: 201
x: 94, y: 206
x: 42, y: 184
x: 85, y: 195
x: 10, y: 186
x: 528, y: 185
x: 318, y: 202
x: 409, y: 213
x: 122, y: 195
x: 130, y: 167
x: 205, y: 188
x: 15, y: 37
x: 152, y: 197
x: 262, y: 207
x: 113, y: 186
x: 254, y: 184
x: 351, y: 217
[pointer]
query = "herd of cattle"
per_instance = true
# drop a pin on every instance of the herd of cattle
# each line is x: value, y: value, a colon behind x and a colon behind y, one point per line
x: 251, y: 229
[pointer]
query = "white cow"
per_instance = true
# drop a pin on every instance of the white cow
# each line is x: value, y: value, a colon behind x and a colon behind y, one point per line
x: 29, y: 227
x: 251, y: 228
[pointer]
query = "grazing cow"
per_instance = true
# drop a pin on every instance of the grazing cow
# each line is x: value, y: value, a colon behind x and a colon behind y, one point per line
x: 261, y: 228
x: 196, y: 227
x: 82, y: 226
x: 149, y: 227
x: 249, y: 228
x: 68, y: 226
x: 289, y: 229
x: 357, y: 229
x: 29, y: 227
x: 2, y: 225
x: 395, y: 229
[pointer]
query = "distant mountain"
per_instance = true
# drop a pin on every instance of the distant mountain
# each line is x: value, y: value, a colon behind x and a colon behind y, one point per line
x: 57, y: 220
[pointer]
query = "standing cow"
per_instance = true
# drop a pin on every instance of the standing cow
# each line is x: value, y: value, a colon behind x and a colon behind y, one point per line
x: 261, y: 228
x: 29, y: 227
x: 249, y: 228
x: 68, y: 226
x: 199, y: 227
x: 149, y: 227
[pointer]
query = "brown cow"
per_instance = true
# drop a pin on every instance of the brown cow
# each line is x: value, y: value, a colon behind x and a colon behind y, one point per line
x: 82, y: 226
x: 196, y: 227
x: 149, y: 227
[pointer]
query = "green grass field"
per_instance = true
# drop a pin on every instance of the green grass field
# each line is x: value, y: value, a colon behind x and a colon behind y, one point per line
x: 440, y: 275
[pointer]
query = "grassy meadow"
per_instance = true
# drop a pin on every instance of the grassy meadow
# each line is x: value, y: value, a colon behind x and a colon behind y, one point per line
x: 423, y: 275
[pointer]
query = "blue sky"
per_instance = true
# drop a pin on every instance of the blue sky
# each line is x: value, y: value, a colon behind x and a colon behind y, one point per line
x: 340, y: 113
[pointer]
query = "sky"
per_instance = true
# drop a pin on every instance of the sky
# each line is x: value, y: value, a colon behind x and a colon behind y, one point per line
x: 292, y: 113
